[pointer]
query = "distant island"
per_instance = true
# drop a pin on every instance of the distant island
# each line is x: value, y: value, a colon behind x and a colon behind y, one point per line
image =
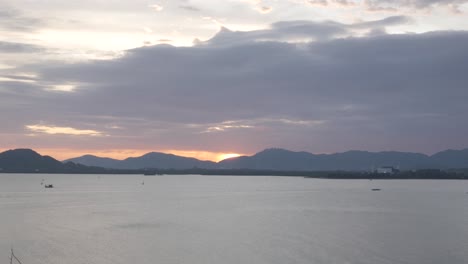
x: 450, y: 164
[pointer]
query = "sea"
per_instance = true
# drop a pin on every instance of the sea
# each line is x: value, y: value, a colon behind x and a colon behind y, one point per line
x: 193, y: 219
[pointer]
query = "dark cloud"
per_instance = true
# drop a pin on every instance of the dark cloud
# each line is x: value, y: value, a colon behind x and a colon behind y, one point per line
x: 13, y: 47
x: 279, y: 31
x: 397, y: 4
x: 12, y: 19
x: 301, y: 30
x: 392, y: 5
x: 404, y: 92
x: 389, y: 21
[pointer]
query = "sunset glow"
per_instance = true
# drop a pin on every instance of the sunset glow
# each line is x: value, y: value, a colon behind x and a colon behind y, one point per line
x: 228, y: 156
x: 120, y: 154
x: 203, y: 155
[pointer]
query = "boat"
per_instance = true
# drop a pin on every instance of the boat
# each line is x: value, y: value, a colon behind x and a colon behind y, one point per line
x: 13, y: 257
x: 49, y: 186
x: 376, y: 189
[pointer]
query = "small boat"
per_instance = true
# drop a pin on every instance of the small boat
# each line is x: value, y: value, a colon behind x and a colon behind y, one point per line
x: 13, y: 257
x: 376, y: 189
x: 49, y: 186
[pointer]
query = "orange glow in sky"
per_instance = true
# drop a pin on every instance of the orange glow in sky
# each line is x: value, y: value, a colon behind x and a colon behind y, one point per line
x: 203, y: 155
x: 228, y: 156
x: 63, y: 154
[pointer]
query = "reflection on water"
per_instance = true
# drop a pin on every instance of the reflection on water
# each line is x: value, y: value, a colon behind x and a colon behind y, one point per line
x: 195, y: 219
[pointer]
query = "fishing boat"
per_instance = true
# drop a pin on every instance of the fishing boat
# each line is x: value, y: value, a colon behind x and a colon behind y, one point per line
x: 13, y: 257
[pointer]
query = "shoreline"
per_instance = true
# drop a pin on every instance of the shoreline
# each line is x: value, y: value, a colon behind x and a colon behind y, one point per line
x: 432, y: 174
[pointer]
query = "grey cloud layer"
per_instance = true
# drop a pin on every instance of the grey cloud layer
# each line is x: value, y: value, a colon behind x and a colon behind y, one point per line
x: 12, y: 47
x: 404, y: 92
x: 12, y: 19
x: 383, y: 4
x: 391, y: 5
x: 301, y: 30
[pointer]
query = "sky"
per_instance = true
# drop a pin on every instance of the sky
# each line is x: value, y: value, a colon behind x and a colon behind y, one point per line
x: 214, y: 79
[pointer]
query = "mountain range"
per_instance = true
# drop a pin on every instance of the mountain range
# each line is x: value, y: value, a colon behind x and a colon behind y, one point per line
x: 149, y: 160
x: 20, y: 159
x: 27, y: 160
x: 281, y: 159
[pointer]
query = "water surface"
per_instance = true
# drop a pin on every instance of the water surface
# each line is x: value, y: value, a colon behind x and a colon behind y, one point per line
x: 231, y: 219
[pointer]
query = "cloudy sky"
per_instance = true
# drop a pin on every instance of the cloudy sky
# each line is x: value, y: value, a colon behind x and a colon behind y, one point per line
x: 206, y: 78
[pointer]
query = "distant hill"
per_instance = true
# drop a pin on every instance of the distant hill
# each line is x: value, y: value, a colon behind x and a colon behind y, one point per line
x: 280, y: 159
x: 274, y: 159
x: 149, y: 160
x: 286, y: 160
x: 452, y: 158
x: 91, y: 160
x: 364, y: 160
x: 269, y: 160
x: 28, y: 160
x: 164, y: 161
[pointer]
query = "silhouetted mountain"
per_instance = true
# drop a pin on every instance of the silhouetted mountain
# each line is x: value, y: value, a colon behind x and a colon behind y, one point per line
x: 164, y: 161
x: 91, y: 160
x: 28, y: 160
x: 280, y: 159
x: 364, y: 160
x: 285, y: 160
x: 452, y: 158
x: 149, y: 160
x: 273, y: 159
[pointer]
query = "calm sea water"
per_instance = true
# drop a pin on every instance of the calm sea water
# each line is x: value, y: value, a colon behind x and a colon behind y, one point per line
x: 207, y: 219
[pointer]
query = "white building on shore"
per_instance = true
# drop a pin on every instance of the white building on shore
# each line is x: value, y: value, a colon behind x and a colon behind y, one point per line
x: 387, y: 170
